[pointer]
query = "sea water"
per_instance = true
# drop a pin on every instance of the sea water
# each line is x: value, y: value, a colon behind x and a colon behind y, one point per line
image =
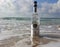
x: 17, y: 26
x: 20, y: 25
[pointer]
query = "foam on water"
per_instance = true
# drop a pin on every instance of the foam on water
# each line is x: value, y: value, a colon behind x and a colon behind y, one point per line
x: 10, y: 28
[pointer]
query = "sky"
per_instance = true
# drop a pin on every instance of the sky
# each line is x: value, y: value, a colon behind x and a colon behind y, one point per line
x: 49, y: 1
x: 24, y: 8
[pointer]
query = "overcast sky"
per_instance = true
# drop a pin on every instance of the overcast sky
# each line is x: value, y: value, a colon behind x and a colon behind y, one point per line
x: 24, y: 8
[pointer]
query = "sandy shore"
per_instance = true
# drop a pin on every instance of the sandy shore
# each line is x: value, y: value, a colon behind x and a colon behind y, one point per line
x: 24, y: 41
x: 47, y: 42
x: 42, y: 41
x: 12, y: 41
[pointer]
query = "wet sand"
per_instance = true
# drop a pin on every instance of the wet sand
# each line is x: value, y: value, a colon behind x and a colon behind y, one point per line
x: 24, y: 41
x: 12, y: 41
x: 41, y: 41
x: 9, y: 42
x: 36, y: 41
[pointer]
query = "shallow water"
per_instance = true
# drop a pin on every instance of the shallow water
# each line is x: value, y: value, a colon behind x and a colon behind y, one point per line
x: 10, y: 28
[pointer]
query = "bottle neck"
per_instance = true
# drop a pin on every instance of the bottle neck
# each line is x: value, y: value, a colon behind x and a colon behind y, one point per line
x: 35, y: 9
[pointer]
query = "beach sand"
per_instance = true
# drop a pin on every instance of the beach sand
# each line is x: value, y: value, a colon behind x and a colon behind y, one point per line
x: 24, y: 41
x: 13, y: 41
x: 47, y: 42
x: 42, y: 41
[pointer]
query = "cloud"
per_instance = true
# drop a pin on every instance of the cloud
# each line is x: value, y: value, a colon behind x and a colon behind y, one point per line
x: 50, y: 9
x: 22, y: 8
x: 15, y: 8
x: 55, y: 7
x: 23, y: 5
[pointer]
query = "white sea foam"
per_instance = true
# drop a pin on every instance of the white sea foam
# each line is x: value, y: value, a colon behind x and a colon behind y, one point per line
x: 9, y: 28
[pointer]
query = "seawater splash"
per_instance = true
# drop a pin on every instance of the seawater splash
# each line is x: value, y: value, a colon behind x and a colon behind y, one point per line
x: 12, y: 26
